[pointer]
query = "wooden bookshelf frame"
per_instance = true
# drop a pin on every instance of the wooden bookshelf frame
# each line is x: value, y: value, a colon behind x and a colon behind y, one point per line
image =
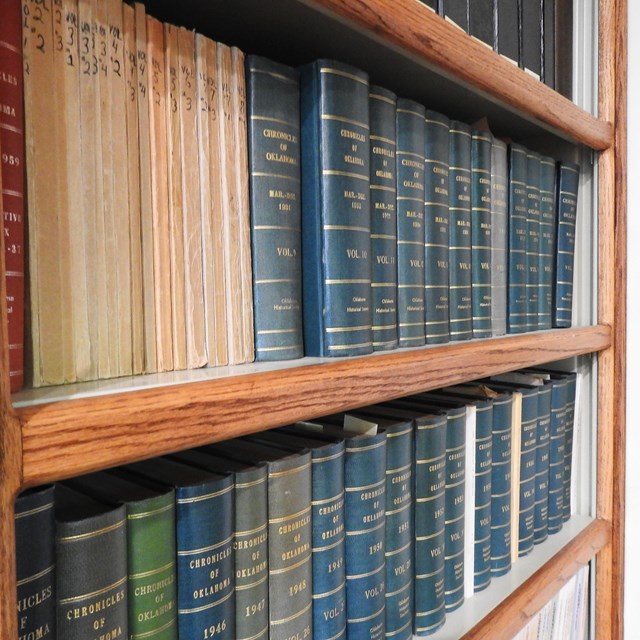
x: 46, y: 441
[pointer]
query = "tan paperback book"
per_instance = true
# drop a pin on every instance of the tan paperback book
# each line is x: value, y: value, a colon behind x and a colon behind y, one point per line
x: 133, y: 172
x: 191, y: 217
x: 160, y: 193
x: 211, y: 201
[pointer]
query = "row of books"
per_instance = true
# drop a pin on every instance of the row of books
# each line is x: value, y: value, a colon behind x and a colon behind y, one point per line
x: 534, y: 34
x: 566, y: 615
x: 380, y: 521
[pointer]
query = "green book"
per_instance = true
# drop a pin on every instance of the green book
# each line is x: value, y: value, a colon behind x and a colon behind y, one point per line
x: 151, y: 550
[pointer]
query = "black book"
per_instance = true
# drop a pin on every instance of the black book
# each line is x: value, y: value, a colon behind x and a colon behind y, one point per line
x: 35, y: 562
x: 548, y: 43
x: 482, y: 21
x: 507, y: 30
x: 531, y: 35
x: 457, y: 11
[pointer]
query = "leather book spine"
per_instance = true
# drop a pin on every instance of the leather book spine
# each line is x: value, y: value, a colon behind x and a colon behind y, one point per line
x: 556, y: 454
x: 547, y: 240
x: 527, y: 480
x: 532, y: 284
x: 541, y: 511
x: 499, y: 237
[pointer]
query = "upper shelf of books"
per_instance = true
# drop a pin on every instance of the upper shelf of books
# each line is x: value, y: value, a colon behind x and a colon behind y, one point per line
x: 404, y: 46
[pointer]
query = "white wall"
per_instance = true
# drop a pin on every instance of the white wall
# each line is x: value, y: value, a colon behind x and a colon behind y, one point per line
x: 632, y: 528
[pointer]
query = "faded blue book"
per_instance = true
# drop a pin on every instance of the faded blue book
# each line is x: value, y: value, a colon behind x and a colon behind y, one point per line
x: 481, y: 231
x: 572, y: 380
x: 567, y: 204
x: 517, y: 256
x: 364, y: 508
x: 250, y: 538
x: 204, y: 544
x: 455, y: 467
x: 327, y: 525
x: 499, y: 237
x: 399, y: 507
x: 410, y: 133
x: 273, y: 106
x: 436, y: 227
x: 533, y: 240
x: 541, y: 511
x: 556, y: 454
x: 384, y: 262
x: 336, y: 213
x: 460, y: 323
x: 548, y: 214
x: 289, y: 532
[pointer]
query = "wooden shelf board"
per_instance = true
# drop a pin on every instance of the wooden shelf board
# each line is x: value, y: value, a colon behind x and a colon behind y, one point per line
x: 84, y: 433
x: 506, y: 606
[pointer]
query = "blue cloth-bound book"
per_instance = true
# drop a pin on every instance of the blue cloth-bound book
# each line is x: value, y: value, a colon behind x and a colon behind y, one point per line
x: 548, y: 212
x: 532, y: 282
x: 436, y: 227
x: 336, y: 216
x: 410, y: 210
x: 273, y: 105
x: 384, y: 263
x: 499, y: 236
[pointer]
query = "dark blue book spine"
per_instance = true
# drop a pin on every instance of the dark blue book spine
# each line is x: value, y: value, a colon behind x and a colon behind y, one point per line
x: 399, y: 531
x: 436, y: 227
x: 567, y: 202
x: 499, y: 236
x: 273, y: 104
x: 205, y: 560
x: 35, y: 563
x: 454, y: 510
x: 365, y: 504
x: 410, y: 206
x: 336, y: 217
x: 527, y: 483
x: 547, y: 240
x: 501, y: 485
x: 541, y: 511
x: 556, y: 454
x: 384, y: 263
x: 460, y: 324
x: 481, y: 228
x: 533, y: 240
x: 429, y: 523
x: 517, y: 256
x: 482, y: 528
x: 328, y: 541
x: 568, y: 444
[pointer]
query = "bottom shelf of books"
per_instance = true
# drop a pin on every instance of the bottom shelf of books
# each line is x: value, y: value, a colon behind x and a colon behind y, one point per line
x: 419, y: 516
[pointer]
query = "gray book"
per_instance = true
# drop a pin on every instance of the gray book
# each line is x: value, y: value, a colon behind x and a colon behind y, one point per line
x: 499, y: 231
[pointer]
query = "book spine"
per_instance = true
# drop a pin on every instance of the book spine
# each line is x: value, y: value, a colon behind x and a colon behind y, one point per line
x: 290, y: 571
x: 432, y: 4
x: 527, y: 481
x: 35, y: 563
x: 481, y: 229
x: 499, y: 237
x: 205, y: 565
x: 436, y: 227
x: 410, y: 117
x: 328, y: 542
x: 547, y: 240
x: 482, y: 21
x: 273, y: 102
x: 384, y: 234
x: 429, y: 523
x: 548, y: 43
x: 151, y: 549
x: 455, y: 510
x: 507, y: 30
x: 517, y: 256
x: 99, y: 542
x: 567, y: 202
x: 556, y: 454
x: 13, y: 186
x: 460, y: 322
x: 483, y: 477
x: 457, y: 11
x: 541, y: 511
x: 365, y: 488
x: 531, y: 34
x: 532, y: 283
x: 501, y: 486
x: 399, y: 531
x: 336, y: 216
x: 251, y: 553
x: 568, y: 444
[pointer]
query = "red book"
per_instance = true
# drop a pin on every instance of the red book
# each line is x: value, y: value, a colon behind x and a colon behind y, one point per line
x: 12, y: 144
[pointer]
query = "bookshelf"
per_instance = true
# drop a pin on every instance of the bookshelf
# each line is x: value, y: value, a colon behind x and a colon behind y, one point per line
x: 51, y: 434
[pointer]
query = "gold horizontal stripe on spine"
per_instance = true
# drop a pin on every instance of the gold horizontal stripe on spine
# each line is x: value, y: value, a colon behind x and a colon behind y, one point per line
x: 93, y: 594
x: 267, y: 332
x: 35, y: 576
x: 430, y: 536
x: 251, y: 585
x: 297, y: 565
x: 194, y: 552
x: 275, y: 74
x: 208, y: 496
x: 250, y: 532
x: 343, y: 329
x: 279, y: 474
x: 368, y: 486
x: 345, y: 74
x: 153, y: 632
x: 424, y: 576
x: 146, y: 514
x: 362, y: 531
x: 345, y: 174
x: 264, y: 174
x: 291, y: 516
x: 92, y: 534
x: 380, y: 187
x: 344, y: 227
x: 152, y: 572
x: 333, y: 545
x: 373, y: 615
x: 317, y: 596
x: 411, y: 112
x: 355, y: 123
x: 343, y: 347
x: 395, y: 552
x: 390, y: 634
x: 31, y: 512
x: 206, y: 606
x: 260, y: 634
x: 332, y: 498
x: 253, y: 483
x: 400, y: 510
x: 293, y: 125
